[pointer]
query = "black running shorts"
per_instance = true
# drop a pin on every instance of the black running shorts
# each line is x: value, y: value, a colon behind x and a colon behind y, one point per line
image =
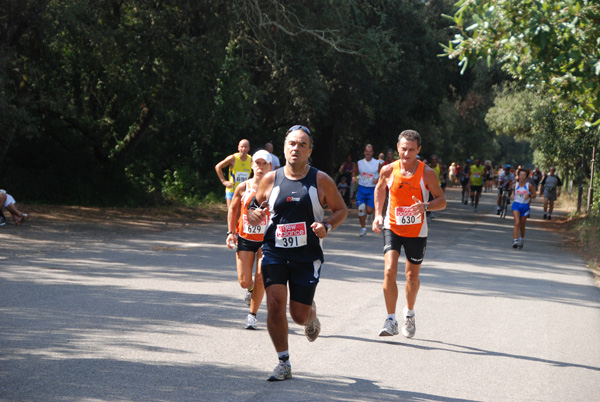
x: 248, y: 245
x: 414, y: 247
x: 476, y: 189
x: 301, y: 277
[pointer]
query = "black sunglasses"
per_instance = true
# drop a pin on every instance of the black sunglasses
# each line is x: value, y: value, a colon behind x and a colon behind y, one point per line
x: 299, y: 127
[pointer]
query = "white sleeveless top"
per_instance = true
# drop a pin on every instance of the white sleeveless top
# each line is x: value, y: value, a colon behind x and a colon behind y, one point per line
x: 521, y: 193
x: 367, y: 171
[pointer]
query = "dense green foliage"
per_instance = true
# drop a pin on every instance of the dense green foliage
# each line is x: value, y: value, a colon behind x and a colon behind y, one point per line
x: 135, y: 101
x: 553, y: 48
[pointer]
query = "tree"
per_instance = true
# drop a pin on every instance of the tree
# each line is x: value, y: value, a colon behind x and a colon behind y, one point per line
x: 550, y: 44
x: 134, y: 101
x: 553, y: 46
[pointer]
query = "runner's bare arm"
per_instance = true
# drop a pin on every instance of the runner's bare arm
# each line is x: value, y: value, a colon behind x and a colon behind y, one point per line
x: 384, y: 176
x: 233, y: 215
x: 355, y: 173
x: 225, y: 163
x: 329, y: 196
x: 259, y: 211
x: 439, y: 198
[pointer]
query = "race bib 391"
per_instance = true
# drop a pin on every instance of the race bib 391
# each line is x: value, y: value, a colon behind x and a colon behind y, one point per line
x: 290, y: 235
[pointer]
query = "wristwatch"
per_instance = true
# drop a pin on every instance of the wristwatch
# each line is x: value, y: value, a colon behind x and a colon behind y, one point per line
x: 327, y: 226
x: 426, y: 206
x: 228, y: 233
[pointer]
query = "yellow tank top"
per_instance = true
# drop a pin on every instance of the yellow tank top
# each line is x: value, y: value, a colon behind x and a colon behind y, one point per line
x: 477, y: 175
x: 437, y: 170
x: 240, y: 172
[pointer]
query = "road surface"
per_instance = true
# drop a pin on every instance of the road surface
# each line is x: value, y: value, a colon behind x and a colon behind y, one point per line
x: 92, y: 313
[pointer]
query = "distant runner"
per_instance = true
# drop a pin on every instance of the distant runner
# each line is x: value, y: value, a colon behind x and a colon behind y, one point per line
x: 476, y: 183
x: 367, y: 170
x: 523, y: 192
x: 240, y: 167
x: 551, y: 185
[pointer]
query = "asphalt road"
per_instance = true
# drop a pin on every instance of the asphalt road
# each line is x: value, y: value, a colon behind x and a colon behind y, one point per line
x: 137, y: 315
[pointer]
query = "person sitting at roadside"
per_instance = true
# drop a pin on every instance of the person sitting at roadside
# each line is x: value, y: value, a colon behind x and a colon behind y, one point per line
x: 7, y: 201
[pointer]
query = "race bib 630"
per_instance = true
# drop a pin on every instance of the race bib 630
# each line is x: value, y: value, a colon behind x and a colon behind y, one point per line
x: 405, y: 217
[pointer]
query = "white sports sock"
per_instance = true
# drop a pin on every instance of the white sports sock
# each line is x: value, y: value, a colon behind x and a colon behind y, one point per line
x: 392, y: 317
x: 408, y: 313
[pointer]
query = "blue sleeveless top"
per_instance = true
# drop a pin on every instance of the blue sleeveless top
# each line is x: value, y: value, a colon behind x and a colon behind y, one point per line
x: 293, y: 206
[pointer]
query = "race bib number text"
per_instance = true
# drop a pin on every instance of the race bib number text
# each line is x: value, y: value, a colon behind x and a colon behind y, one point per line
x: 259, y: 229
x: 405, y: 217
x: 241, y: 176
x: 291, y: 235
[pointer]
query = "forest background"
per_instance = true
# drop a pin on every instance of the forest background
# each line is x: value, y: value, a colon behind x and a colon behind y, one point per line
x: 133, y: 102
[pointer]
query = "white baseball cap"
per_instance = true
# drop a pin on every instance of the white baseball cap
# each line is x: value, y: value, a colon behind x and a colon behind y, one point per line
x: 262, y: 154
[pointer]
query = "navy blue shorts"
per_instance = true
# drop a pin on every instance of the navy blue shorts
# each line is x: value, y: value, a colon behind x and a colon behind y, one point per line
x: 301, y: 277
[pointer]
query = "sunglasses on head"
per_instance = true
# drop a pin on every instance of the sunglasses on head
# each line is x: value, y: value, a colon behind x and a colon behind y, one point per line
x: 299, y: 127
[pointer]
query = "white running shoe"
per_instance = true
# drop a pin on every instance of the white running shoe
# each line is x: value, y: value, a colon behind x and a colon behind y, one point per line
x: 515, y: 243
x: 409, y: 328
x: 390, y: 327
x: 363, y: 232
x: 282, y: 371
x: 248, y: 297
x: 251, y: 322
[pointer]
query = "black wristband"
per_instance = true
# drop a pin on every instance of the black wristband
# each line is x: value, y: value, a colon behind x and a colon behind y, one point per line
x: 228, y: 233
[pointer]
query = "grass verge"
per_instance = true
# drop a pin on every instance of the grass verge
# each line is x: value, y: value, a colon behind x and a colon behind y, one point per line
x: 583, y: 234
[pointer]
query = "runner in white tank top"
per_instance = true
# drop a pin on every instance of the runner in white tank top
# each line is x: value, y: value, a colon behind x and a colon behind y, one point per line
x: 522, y: 194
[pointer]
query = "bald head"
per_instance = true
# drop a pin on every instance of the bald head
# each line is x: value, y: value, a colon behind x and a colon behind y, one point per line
x: 244, y: 147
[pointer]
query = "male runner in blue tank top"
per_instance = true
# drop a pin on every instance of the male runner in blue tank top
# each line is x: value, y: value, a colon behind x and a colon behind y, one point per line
x: 296, y: 196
